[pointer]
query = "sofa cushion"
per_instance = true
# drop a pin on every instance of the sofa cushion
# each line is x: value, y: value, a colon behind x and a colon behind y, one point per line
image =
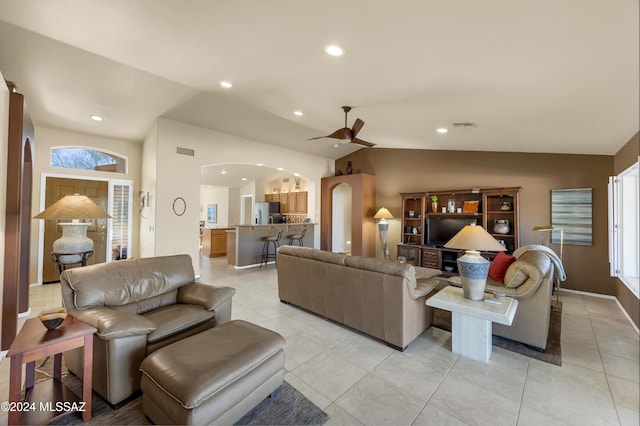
x: 113, y: 324
x: 128, y: 281
x: 499, y: 266
x: 172, y: 319
x: 384, y: 266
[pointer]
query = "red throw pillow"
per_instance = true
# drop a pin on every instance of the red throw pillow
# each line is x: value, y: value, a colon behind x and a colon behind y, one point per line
x: 499, y: 266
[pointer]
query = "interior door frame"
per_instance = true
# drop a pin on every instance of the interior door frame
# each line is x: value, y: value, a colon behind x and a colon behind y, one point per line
x: 43, y: 191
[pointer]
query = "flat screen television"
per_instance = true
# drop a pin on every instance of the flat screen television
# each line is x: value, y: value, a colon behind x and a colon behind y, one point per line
x: 442, y: 229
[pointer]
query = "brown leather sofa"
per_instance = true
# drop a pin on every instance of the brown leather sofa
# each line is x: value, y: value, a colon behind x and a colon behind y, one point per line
x: 529, y: 280
x: 379, y: 297
x: 137, y: 306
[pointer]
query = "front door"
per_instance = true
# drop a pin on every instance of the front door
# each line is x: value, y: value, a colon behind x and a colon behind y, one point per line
x: 56, y: 188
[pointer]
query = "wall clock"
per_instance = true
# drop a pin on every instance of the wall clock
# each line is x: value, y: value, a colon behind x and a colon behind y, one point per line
x: 179, y: 206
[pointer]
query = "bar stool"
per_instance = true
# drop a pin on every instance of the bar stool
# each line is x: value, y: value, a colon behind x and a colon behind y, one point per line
x: 297, y: 237
x: 266, y: 254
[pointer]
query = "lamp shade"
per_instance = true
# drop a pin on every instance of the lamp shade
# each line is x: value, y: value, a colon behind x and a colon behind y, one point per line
x: 383, y: 213
x: 473, y: 237
x: 74, y: 206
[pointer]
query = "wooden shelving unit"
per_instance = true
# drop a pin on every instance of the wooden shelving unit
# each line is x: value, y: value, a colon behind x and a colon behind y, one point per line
x: 493, y: 204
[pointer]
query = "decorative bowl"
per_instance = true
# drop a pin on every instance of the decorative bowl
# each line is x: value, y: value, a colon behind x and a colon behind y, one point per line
x: 52, y: 318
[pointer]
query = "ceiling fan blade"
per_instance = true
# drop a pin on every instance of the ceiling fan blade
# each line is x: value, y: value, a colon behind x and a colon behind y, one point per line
x: 344, y: 133
x: 319, y: 137
x: 361, y: 142
x: 357, y: 125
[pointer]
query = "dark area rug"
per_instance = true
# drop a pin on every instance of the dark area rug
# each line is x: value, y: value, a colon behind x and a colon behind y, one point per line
x: 288, y: 407
x: 552, y: 354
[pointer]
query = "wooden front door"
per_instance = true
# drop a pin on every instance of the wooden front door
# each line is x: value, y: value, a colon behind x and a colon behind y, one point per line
x: 57, y: 188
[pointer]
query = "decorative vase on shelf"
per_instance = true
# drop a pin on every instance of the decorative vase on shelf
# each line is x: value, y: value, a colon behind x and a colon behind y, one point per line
x: 501, y: 226
x: 434, y: 207
x: 349, y: 167
x: 505, y: 206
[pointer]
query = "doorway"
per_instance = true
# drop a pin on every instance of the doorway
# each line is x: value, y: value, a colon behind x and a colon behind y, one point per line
x: 56, y: 188
x: 246, y: 207
x: 341, y: 219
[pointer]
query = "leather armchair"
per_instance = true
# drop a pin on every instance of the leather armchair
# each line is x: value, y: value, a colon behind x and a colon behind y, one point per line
x: 137, y: 307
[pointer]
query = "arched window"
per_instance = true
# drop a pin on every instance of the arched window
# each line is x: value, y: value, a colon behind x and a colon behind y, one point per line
x: 87, y: 159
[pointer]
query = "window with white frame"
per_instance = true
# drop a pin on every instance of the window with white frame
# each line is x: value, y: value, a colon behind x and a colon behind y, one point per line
x: 120, y: 211
x: 624, y: 228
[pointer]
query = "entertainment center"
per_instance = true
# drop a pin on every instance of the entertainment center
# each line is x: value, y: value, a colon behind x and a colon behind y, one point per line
x: 430, y: 219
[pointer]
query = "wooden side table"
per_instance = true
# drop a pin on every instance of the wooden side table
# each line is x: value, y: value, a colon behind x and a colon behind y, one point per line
x: 49, y: 399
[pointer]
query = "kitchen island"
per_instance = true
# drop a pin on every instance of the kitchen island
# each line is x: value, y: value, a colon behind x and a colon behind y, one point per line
x: 249, y: 241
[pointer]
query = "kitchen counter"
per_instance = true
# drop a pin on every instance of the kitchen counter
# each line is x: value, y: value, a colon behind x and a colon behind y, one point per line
x: 249, y: 240
x: 214, y: 242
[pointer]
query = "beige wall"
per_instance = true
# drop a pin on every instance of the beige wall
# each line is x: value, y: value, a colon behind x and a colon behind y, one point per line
x: 44, y: 140
x: 215, y: 195
x: 627, y: 156
x: 4, y: 141
x: 401, y: 170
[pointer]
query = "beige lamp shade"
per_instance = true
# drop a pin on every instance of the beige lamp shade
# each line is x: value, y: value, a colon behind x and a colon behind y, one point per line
x: 473, y: 237
x: 74, y: 206
x: 383, y: 213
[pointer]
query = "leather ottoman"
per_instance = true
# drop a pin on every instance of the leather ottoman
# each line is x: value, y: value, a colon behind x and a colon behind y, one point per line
x: 214, y: 377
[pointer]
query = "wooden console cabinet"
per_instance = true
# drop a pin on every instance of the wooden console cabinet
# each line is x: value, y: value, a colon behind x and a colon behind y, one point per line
x: 214, y: 242
x: 485, y: 207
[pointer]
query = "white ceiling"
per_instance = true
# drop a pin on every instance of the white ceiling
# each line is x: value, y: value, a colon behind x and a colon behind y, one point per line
x: 534, y: 76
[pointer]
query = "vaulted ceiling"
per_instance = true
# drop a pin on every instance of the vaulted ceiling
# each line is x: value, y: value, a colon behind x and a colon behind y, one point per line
x: 533, y: 76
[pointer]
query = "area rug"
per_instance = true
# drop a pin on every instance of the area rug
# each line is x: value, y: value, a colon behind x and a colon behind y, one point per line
x: 288, y: 407
x: 552, y: 354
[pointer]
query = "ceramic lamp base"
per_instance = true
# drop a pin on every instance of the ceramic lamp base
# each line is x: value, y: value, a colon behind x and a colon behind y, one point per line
x: 73, y: 240
x: 473, y: 270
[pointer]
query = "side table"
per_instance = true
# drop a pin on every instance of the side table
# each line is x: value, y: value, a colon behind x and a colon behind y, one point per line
x: 471, y: 320
x: 49, y: 399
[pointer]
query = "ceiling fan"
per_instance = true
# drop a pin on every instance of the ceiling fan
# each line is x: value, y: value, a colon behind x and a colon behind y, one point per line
x: 347, y: 135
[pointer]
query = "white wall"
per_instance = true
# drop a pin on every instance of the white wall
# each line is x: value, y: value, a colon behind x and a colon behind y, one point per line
x: 4, y: 141
x: 44, y: 140
x: 179, y: 176
x: 215, y: 195
x: 148, y: 167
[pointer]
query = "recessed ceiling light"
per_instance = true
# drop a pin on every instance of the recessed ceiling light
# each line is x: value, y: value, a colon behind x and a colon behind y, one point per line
x: 335, y: 145
x: 244, y: 179
x: 296, y: 174
x: 334, y: 50
x: 441, y: 130
x: 259, y: 164
x: 96, y: 117
x: 281, y: 168
x: 226, y: 84
x: 298, y: 113
x: 224, y: 172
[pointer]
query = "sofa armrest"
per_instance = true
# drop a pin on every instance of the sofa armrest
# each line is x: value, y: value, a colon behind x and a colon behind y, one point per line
x: 205, y: 295
x: 423, y: 287
x: 422, y: 272
x: 112, y: 324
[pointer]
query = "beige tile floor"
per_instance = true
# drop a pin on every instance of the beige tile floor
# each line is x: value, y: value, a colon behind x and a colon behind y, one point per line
x: 358, y: 380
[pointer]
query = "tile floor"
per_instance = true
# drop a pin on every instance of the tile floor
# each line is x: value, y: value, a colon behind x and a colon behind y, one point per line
x: 358, y: 380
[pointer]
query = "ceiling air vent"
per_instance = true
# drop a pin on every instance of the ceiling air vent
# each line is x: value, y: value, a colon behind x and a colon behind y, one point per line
x: 465, y: 124
x: 185, y: 151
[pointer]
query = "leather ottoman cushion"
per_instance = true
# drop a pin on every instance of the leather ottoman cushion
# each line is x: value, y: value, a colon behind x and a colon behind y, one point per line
x: 199, y: 367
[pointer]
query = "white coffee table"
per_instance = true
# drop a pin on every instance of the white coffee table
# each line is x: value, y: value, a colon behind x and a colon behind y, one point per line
x: 471, y: 320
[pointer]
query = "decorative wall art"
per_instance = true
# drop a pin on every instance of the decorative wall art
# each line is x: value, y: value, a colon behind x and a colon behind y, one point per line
x: 212, y: 213
x: 571, y: 210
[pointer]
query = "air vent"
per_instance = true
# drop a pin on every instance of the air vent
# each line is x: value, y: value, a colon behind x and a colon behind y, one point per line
x: 465, y: 124
x: 185, y: 151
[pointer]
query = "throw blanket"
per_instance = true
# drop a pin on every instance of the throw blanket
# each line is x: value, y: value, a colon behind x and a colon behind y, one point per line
x: 552, y: 255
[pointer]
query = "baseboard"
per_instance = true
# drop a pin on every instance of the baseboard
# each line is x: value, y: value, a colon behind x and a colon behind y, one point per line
x: 3, y: 354
x: 25, y: 314
x: 604, y: 296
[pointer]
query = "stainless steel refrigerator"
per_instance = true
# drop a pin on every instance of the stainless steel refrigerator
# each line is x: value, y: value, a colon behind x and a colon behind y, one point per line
x: 264, y: 211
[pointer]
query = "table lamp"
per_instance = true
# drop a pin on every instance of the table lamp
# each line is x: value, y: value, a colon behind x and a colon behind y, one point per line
x: 383, y: 227
x: 550, y: 229
x: 472, y: 267
x: 74, y: 238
